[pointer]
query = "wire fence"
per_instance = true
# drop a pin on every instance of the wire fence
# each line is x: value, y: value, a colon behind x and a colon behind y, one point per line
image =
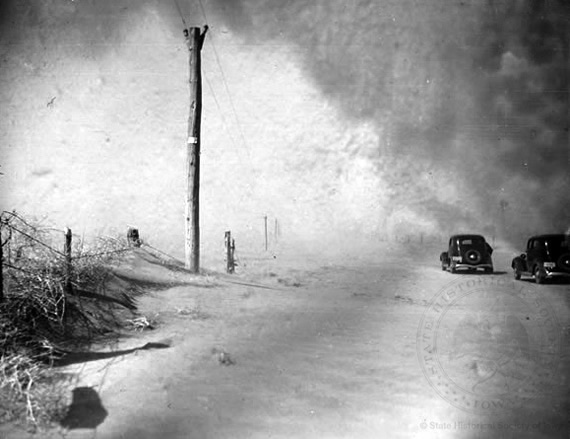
x: 57, y: 298
x: 28, y: 247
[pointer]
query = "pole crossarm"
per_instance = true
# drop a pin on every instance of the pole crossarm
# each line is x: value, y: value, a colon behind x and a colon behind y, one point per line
x: 203, y: 36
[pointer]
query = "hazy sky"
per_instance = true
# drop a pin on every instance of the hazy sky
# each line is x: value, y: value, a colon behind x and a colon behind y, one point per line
x: 327, y: 115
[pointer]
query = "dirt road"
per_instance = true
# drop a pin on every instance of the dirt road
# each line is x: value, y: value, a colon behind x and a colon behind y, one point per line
x: 366, y: 349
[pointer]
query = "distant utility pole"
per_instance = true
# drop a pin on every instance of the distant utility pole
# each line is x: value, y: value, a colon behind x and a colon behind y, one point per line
x: 504, y: 204
x: 276, y: 230
x: 194, y: 40
x: 265, y: 219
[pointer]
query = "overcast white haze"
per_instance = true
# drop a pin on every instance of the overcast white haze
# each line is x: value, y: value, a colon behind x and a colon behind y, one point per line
x: 349, y: 119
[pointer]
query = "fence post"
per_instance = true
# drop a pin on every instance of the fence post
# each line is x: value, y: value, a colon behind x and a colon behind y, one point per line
x: 230, y: 247
x: 133, y: 237
x: 67, y: 251
x: 233, y: 247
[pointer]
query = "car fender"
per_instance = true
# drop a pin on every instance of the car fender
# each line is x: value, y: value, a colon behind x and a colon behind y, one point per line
x: 520, y: 262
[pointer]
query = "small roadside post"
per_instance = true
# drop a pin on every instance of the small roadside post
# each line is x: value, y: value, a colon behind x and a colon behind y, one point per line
x: 230, y: 248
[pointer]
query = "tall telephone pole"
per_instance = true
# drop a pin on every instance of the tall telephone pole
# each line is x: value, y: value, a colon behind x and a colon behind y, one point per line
x: 194, y: 40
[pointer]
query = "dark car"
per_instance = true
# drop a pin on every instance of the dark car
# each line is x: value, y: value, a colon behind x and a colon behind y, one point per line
x: 467, y: 252
x: 546, y: 257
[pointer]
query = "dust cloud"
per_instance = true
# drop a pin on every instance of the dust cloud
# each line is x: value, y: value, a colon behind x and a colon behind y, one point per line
x: 471, y: 98
x: 331, y: 118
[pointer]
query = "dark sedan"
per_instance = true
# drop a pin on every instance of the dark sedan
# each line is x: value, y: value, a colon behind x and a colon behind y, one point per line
x: 467, y: 252
x: 545, y: 257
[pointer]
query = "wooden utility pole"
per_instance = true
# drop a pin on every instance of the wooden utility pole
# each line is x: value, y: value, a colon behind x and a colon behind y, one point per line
x: 195, y: 41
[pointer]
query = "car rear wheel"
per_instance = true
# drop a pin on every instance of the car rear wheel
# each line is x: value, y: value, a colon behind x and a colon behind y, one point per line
x: 564, y: 262
x: 539, y: 276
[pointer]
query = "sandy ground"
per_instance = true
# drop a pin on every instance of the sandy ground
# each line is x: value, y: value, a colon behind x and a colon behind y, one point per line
x: 298, y: 347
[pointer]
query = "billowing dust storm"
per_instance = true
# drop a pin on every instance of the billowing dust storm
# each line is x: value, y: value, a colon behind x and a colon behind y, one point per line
x: 331, y: 120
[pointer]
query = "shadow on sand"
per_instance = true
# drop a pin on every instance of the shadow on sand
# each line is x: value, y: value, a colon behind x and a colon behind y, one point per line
x: 479, y: 273
x: 551, y: 281
x: 69, y: 358
x: 85, y: 411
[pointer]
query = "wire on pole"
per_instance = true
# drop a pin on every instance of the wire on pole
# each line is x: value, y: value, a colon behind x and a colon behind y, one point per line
x: 35, y: 240
x: 180, y: 14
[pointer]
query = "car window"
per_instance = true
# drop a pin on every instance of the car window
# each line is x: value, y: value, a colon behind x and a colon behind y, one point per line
x: 556, y: 243
x: 471, y: 241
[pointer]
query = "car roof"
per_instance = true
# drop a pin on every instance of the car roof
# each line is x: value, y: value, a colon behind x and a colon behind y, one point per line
x: 550, y: 235
x: 467, y: 236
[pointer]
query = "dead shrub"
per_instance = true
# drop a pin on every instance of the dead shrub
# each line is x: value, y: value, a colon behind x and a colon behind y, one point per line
x: 41, y: 319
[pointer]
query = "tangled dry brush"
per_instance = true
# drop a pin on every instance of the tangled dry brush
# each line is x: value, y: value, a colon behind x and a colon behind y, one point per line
x: 49, y: 305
